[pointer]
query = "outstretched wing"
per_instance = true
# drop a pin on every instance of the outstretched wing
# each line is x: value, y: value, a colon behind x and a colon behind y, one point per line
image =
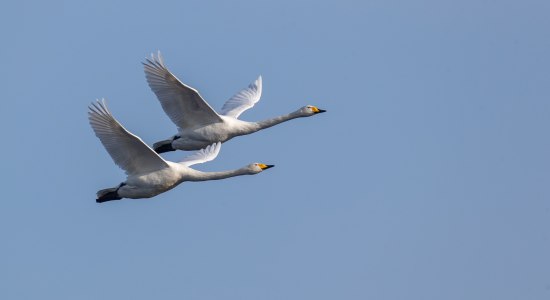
x: 243, y: 100
x: 128, y: 151
x: 182, y: 103
x: 203, y: 155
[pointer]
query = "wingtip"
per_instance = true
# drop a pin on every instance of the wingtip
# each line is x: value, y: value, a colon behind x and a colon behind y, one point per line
x: 99, y: 106
x: 259, y: 83
x: 154, y: 61
x: 160, y: 58
x: 214, y: 147
x: 217, y: 149
x: 94, y: 104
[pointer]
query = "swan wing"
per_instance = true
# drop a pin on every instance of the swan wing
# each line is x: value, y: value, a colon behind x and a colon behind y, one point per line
x: 243, y: 100
x: 198, y: 157
x: 182, y: 103
x: 128, y: 151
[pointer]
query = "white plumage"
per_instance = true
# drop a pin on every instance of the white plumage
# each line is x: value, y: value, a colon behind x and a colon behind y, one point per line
x: 128, y: 151
x: 207, y: 154
x: 198, y: 123
x: 148, y: 174
x: 243, y: 100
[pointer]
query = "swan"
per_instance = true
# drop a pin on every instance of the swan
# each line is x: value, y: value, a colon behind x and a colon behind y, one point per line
x: 199, y: 125
x: 148, y: 174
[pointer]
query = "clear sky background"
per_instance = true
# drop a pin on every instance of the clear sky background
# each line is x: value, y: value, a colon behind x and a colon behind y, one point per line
x: 428, y: 177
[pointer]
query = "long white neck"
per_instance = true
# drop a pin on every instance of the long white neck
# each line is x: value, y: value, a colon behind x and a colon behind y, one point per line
x: 274, y: 121
x: 203, y: 176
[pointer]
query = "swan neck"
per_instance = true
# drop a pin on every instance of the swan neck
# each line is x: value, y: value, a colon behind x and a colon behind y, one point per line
x: 203, y: 176
x: 277, y: 120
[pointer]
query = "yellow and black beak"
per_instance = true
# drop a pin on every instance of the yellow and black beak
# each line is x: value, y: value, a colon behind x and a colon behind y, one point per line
x: 265, y: 167
x: 318, y: 111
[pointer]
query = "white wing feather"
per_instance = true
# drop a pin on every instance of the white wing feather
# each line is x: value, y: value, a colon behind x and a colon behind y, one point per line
x: 243, y: 100
x: 182, y: 103
x: 207, y: 154
x: 128, y: 151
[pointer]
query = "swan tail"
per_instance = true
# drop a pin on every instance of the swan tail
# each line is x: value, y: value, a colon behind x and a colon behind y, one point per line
x: 108, y: 195
x: 163, y: 146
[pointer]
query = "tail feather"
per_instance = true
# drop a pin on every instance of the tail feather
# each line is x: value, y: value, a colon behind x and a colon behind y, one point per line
x: 163, y: 146
x: 107, y: 195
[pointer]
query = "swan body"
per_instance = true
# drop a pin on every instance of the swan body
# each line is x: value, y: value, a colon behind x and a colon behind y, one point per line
x: 199, y: 125
x: 197, y: 137
x: 148, y: 174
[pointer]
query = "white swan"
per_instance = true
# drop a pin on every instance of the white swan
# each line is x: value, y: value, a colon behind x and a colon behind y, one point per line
x: 198, y: 124
x: 147, y: 173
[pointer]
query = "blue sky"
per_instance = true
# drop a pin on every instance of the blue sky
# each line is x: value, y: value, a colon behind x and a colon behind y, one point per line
x: 427, y: 178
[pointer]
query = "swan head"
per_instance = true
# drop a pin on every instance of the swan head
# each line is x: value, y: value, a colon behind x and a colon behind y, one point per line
x: 310, y: 110
x: 256, y: 168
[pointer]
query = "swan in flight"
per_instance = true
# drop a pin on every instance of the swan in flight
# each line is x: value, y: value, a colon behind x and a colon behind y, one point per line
x: 199, y: 125
x: 148, y: 174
